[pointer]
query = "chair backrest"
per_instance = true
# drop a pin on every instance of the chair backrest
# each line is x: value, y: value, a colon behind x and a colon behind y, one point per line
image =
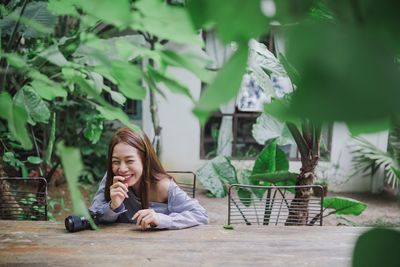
x: 23, y: 198
x: 186, y: 180
x: 273, y: 205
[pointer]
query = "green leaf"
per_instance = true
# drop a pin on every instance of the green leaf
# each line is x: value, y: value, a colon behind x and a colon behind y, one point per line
x: 108, y: 111
x: 117, y: 13
x: 8, y: 157
x: 93, y: 129
x: 267, y: 128
x: 62, y: 7
x: 154, y: 16
x: 238, y: 21
x: 17, y: 118
x: 95, y: 51
x: 270, y: 160
x: 34, y: 160
x: 52, y: 138
x: 73, y: 166
x: 53, y: 55
x: 37, y: 21
x: 128, y: 77
x: 214, y: 173
x: 244, y: 196
x: 228, y: 226
x: 225, y: 86
x: 265, y: 161
x: 277, y: 178
x: 377, y: 247
x: 5, y: 105
x: 358, y: 72
x: 288, y: 11
x: 192, y: 61
x: 281, y: 160
x: 16, y: 61
x: 343, y: 205
x: 171, y: 83
x: 47, y: 91
x: 224, y: 169
x: 33, y: 103
x: 116, y: 96
x: 111, y: 113
x: 279, y: 109
x: 357, y: 128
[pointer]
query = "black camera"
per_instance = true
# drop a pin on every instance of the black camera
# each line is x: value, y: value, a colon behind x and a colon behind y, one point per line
x: 75, y: 223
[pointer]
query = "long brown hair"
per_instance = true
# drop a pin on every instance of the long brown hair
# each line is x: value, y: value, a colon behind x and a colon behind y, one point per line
x: 153, y: 171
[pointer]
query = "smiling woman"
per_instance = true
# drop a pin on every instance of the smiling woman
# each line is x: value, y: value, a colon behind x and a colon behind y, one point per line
x: 136, y: 188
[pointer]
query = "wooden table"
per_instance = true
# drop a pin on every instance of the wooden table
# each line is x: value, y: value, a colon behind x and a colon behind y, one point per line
x: 48, y: 244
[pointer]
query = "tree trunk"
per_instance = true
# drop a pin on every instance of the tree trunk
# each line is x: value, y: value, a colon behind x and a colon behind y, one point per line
x: 298, y: 210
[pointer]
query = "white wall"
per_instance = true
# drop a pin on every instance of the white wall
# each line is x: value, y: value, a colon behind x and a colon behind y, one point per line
x: 180, y: 128
x: 181, y: 140
x: 340, y: 167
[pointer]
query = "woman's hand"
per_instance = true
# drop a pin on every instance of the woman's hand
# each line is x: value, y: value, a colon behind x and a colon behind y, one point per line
x: 118, y: 192
x: 146, y: 218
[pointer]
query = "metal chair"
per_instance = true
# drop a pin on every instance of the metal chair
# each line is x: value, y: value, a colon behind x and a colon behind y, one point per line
x: 23, y: 198
x: 186, y: 180
x: 277, y: 206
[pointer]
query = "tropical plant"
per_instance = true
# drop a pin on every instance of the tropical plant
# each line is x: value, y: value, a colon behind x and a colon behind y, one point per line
x: 61, y: 56
x: 271, y: 166
x: 368, y: 158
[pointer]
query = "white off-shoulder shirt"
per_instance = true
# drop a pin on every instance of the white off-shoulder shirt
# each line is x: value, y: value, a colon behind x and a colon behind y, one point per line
x: 179, y: 212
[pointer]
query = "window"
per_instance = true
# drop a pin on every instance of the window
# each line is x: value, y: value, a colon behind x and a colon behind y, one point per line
x: 134, y: 109
x: 242, y: 145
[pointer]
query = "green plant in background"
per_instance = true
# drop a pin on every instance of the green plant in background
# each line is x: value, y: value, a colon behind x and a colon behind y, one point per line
x: 271, y: 165
x: 341, y: 61
x: 270, y: 168
x: 61, y: 55
x: 341, y: 206
x: 367, y: 158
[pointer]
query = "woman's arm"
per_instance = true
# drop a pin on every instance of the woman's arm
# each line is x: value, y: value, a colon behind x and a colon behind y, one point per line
x: 102, y: 208
x: 184, y: 211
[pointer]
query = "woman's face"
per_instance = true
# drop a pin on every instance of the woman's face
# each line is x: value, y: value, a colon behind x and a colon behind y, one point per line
x: 126, y: 162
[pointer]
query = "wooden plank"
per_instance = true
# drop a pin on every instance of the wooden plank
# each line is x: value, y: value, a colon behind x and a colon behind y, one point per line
x: 48, y: 244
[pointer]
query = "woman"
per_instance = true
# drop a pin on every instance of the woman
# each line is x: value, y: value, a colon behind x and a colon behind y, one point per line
x: 136, y: 188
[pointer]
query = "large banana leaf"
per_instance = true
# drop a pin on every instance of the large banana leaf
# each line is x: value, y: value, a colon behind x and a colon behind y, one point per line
x: 270, y: 160
x: 343, y: 205
x: 267, y: 127
x: 35, y: 106
x: 214, y: 173
x: 277, y: 178
x: 36, y: 21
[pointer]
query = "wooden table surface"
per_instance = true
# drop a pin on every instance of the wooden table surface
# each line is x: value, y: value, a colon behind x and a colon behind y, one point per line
x: 26, y: 243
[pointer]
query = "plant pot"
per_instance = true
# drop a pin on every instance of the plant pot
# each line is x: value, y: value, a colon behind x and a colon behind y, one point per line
x: 319, y: 192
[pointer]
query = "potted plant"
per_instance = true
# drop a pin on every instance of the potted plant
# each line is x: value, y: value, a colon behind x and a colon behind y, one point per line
x: 317, y: 191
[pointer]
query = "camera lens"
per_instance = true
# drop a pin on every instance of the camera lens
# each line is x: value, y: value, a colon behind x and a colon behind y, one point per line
x: 76, y: 223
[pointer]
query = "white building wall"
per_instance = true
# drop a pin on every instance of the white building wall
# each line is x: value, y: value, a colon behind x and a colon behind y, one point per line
x: 180, y: 128
x: 181, y: 141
